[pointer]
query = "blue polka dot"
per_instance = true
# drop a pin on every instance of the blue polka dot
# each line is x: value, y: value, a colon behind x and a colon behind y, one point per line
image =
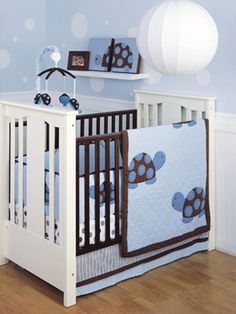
x: 101, y: 188
x: 203, y: 204
x: 141, y: 170
x: 199, y: 190
x: 150, y: 173
x: 131, y: 165
x: 124, y: 46
x: 130, y: 59
x: 83, y: 230
x: 188, y: 211
x: 197, y: 203
x: 139, y: 157
x: 120, y: 62
x: 191, y: 195
x: 102, y: 223
x: 113, y: 60
x: 101, y: 199
x: 204, y: 194
x: 117, y: 50
x: 125, y: 54
x: 132, y: 176
x: 98, y: 60
x: 147, y: 159
x: 113, y: 232
x: 126, y: 69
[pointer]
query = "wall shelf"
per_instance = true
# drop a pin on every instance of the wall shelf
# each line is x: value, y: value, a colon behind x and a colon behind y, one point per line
x: 110, y: 75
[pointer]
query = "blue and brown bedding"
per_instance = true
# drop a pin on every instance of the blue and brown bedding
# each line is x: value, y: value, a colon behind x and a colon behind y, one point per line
x: 165, y: 186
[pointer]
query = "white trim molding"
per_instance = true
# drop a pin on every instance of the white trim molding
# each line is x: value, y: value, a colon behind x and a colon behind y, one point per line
x: 226, y: 183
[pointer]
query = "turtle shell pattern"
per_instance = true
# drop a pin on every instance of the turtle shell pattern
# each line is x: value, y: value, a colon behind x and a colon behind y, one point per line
x: 141, y: 169
x: 102, y: 192
x: 194, y: 203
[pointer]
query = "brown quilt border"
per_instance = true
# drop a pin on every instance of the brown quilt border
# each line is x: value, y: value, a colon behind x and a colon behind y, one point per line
x: 175, y: 240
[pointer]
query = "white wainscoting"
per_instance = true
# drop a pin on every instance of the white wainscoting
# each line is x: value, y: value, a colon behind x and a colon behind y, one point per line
x: 226, y: 183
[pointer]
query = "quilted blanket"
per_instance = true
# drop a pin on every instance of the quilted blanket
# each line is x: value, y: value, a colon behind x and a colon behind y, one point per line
x: 165, y: 186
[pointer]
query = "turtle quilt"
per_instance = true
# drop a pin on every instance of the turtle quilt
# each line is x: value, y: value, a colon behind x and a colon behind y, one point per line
x: 165, y: 186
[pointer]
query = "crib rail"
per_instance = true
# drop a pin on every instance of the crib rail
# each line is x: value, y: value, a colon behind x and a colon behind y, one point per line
x: 106, y: 122
x: 105, y: 191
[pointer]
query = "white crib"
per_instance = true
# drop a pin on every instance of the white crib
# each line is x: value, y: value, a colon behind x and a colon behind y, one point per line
x: 28, y: 248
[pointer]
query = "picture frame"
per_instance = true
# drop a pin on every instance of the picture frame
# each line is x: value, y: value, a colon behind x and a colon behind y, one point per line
x: 101, y: 54
x: 78, y: 60
x: 126, y: 57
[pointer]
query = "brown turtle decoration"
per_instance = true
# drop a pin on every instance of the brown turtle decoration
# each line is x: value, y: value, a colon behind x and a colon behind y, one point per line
x: 102, y: 192
x: 191, y: 206
x: 143, y: 169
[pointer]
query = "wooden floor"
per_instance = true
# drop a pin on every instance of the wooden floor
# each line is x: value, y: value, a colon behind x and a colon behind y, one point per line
x: 202, y: 283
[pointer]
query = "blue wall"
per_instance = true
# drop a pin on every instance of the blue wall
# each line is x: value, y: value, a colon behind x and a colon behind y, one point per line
x: 22, y: 34
x: 70, y: 24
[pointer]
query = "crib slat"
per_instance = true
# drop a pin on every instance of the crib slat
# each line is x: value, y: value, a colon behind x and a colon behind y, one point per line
x: 127, y: 121
x: 90, y: 126
x: 98, y: 125
x: 198, y: 115
x: 188, y: 116
x: 135, y: 119
x: 117, y: 189
x: 155, y: 115
x: 106, y: 124
x: 146, y: 116
x: 12, y: 170
x: 35, y: 175
x: 120, y: 122
x: 82, y: 127
x: 97, y: 195
x: 86, y: 194
x: 20, y: 171
x: 113, y: 123
x: 77, y: 194
x: 107, y: 188
x: 51, y: 184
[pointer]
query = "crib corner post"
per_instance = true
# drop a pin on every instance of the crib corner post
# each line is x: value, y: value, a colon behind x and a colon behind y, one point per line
x: 3, y: 183
x: 68, y: 201
x: 211, y: 114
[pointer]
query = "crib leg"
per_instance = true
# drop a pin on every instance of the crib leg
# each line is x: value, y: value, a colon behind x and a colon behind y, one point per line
x: 70, y: 297
x: 4, y: 183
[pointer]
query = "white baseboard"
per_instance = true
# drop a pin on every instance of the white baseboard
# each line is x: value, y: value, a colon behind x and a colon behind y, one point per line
x: 3, y: 261
x: 226, y: 247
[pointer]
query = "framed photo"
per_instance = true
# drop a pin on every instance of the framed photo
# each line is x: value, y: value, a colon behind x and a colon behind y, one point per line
x: 78, y: 60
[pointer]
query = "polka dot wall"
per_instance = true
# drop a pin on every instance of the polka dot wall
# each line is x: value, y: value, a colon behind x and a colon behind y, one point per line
x: 70, y: 27
x: 22, y: 34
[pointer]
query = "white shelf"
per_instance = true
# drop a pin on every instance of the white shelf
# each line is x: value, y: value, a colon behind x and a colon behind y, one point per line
x: 111, y: 75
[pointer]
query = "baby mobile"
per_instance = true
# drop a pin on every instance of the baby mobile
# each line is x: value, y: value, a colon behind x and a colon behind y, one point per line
x: 45, y: 98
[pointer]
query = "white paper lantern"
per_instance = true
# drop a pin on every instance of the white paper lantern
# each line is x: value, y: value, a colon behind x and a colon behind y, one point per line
x: 178, y: 37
